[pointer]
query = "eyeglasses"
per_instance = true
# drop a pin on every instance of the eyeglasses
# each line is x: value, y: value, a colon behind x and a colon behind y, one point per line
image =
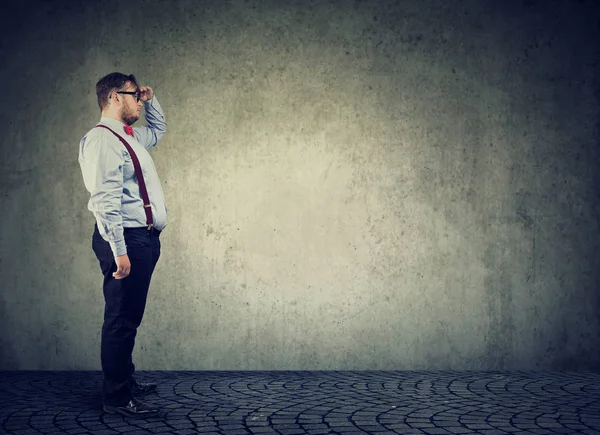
x: 136, y: 94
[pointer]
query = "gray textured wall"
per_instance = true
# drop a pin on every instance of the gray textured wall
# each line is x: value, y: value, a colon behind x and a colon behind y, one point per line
x: 350, y: 184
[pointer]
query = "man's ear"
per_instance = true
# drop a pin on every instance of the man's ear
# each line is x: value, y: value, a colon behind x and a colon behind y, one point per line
x: 114, y: 98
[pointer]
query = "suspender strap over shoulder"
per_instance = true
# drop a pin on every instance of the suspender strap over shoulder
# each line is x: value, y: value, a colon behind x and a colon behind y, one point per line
x: 138, y: 173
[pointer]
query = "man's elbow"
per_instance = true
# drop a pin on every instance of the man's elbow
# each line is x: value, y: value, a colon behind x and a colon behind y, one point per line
x: 158, y: 135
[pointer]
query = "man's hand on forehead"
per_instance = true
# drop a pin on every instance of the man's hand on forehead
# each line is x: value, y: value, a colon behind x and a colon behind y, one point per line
x: 146, y: 93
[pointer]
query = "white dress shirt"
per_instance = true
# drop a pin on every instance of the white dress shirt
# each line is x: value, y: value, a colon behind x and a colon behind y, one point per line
x: 109, y: 176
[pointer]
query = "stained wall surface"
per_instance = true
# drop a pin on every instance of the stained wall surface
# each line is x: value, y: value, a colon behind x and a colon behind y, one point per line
x: 357, y: 185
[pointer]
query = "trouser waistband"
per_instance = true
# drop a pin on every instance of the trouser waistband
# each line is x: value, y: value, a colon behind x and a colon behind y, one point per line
x: 152, y: 230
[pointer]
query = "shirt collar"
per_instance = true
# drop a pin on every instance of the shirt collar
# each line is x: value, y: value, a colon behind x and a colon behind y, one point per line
x: 112, y: 122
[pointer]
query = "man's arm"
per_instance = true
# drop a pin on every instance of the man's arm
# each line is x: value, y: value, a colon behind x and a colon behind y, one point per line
x: 103, y: 168
x: 157, y: 124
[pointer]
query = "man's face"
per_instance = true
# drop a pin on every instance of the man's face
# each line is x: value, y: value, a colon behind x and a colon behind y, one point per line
x: 130, y: 110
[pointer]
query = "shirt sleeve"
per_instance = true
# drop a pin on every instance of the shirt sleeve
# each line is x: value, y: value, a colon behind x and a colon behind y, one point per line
x: 103, y: 166
x: 157, y: 125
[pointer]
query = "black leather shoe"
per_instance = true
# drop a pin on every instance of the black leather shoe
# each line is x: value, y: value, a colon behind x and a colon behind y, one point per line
x: 141, y: 388
x: 134, y: 408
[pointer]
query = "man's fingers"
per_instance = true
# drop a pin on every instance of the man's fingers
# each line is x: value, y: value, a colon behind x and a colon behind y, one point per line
x: 121, y: 273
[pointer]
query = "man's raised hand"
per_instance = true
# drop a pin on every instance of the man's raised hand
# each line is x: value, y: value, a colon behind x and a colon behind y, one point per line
x: 146, y: 93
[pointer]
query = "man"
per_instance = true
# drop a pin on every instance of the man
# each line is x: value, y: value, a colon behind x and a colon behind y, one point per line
x: 129, y: 208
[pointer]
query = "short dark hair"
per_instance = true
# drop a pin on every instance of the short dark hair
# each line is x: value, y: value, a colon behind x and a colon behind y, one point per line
x: 110, y: 83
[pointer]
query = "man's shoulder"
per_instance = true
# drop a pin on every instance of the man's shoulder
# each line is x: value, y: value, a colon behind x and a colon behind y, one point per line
x: 92, y: 133
x: 98, y: 136
x: 97, y: 131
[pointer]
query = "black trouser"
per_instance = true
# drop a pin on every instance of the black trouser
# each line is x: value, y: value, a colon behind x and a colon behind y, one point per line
x: 125, y: 301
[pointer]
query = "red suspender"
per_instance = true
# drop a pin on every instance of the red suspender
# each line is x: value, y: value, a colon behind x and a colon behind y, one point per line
x: 138, y: 172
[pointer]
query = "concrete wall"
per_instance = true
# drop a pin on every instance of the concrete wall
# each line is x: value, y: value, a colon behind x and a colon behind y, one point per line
x: 350, y: 184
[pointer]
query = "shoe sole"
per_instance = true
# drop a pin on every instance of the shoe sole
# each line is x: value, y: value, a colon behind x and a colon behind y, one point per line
x: 111, y: 410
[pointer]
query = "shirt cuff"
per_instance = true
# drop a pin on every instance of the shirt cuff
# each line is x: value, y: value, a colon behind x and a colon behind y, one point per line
x: 118, y: 248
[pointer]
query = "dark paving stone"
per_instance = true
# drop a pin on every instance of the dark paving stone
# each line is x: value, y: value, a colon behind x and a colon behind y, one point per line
x: 295, y: 403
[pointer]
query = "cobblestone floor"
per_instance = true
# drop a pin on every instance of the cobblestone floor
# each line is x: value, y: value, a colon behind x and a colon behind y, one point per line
x: 290, y: 403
